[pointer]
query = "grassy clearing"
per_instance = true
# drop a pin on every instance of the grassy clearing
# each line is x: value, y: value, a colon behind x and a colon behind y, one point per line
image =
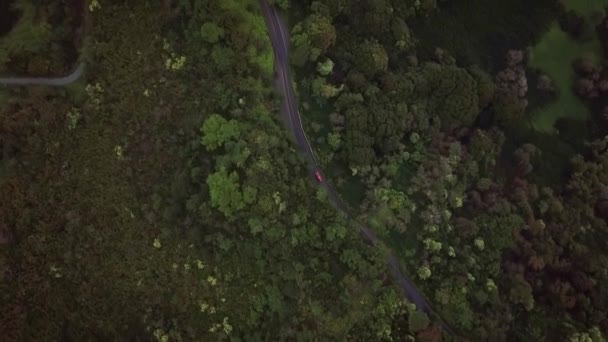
x: 554, y: 55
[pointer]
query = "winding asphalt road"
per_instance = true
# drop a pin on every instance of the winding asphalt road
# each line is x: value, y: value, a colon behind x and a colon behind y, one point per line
x: 289, y: 110
x: 57, y: 82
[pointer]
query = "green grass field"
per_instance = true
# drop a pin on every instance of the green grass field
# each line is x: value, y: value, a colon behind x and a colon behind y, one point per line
x: 554, y: 55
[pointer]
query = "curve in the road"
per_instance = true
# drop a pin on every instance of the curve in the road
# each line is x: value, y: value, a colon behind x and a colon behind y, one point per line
x: 56, y: 81
x: 279, y: 39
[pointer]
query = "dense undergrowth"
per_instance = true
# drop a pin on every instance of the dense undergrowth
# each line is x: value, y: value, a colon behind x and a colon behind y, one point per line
x: 497, y: 223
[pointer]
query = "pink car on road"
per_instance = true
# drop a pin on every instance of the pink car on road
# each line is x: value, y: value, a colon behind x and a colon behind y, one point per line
x: 318, y: 176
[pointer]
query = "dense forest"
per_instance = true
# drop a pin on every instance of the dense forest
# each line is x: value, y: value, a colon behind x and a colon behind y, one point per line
x: 160, y: 196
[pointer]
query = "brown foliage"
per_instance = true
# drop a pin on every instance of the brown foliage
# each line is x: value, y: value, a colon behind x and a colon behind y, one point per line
x: 430, y: 334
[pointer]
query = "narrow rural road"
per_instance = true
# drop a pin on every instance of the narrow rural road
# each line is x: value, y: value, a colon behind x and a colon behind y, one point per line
x: 279, y: 38
x: 280, y: 41
x: 57, y: 82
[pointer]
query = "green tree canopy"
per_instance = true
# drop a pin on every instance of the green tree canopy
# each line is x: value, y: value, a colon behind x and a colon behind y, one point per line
x: 452, y: 92
x: 217, y: 131
x: 312, y: 38
x: 225, y: 193
x: 211, y: 33
x: 371, y: 58
x: 418, y: 321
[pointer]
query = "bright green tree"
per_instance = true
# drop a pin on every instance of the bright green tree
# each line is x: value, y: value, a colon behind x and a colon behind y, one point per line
x: 334, y: 140
x: 217, y: 131
x: 224, y: 192
x: 326, y: 67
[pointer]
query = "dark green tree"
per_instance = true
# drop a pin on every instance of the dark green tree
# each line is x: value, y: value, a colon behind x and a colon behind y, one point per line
x: 371, y: 58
